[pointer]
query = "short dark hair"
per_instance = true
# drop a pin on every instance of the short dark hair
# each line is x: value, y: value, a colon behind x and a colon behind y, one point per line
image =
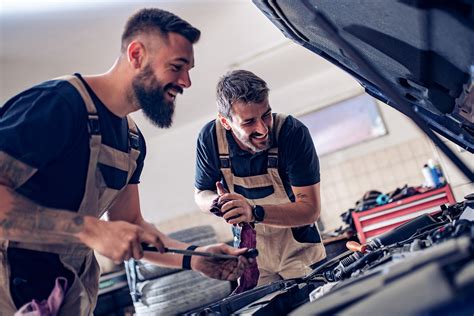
x: 239, y: 85
x: 157, y: 20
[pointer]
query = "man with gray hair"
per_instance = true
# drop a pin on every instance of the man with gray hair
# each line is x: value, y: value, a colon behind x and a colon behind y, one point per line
x: 260, y: 172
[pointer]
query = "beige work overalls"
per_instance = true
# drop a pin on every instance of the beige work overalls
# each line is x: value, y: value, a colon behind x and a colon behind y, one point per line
x: 280, y: 255
x: 81, y: 296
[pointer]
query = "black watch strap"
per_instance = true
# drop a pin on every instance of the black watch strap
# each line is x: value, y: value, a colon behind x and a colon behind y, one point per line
x: 187, y: 258
x: 258, y: 213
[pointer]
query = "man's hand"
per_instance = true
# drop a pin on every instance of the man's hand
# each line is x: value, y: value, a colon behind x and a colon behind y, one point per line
x: 117, y: 240
x: 220, y: 269
x: 235, y: 207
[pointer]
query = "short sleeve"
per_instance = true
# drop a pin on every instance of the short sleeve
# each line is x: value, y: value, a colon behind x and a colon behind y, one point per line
x: 302, y: 164
x: 36, y: 126
x: 207, y: 162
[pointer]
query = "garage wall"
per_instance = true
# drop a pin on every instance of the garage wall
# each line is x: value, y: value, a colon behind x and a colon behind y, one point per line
x: 383, y: 170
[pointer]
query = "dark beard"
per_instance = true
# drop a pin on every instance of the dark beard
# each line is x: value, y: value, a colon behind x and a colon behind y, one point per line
x: 149, y: 94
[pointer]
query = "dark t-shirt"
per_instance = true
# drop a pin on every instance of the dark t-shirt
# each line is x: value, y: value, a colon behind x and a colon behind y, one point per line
x: 298, y: 166
x: 298, y: 163
x: 46, y: 128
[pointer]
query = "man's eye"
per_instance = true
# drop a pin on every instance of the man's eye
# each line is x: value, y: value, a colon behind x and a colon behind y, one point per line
x: 176, y: 67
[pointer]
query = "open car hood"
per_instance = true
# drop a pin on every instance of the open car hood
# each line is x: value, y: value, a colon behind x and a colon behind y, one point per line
x: 416, y: 56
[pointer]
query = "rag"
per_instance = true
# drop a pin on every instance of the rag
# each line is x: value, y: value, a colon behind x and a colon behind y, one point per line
x: 248, y: 239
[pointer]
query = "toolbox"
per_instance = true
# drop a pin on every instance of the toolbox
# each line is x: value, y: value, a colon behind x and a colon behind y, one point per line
x: 373, y: 222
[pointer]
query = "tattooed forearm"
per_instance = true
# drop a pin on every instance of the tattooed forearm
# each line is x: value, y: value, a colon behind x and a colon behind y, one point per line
x: 13, y: 172
x: 303, y: 211
x: 25, y: 221
x: 301, y: 196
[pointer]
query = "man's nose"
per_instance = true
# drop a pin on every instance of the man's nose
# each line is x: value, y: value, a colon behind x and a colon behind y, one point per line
x: 262, y: 128
x: 184, y: 81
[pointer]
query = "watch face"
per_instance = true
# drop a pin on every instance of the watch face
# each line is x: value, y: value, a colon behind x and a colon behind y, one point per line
x: 258, y: 213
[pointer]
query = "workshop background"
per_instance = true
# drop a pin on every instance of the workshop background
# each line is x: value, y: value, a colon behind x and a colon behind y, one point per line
x: 40, y: 40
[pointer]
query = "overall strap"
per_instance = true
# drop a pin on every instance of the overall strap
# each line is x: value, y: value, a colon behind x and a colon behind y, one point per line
x: 133, y: 135
x: 222, y: 146
x: 93, y: 118
x: 278, y: 121
x: 133, y: 146
x: 90, y: 201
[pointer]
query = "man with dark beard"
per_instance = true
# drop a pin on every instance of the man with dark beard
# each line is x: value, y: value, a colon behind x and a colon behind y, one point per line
x: 260, y: 172
x: 69, y: 153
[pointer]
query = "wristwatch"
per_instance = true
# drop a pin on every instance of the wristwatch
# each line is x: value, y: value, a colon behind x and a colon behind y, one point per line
x: 258, y: 213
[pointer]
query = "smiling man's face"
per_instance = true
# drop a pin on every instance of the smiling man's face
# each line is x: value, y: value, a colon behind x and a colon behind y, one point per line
x: 167, y: 74
x: 251, y: 125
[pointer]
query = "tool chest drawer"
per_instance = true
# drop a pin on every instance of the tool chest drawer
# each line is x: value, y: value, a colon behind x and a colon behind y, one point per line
x: 373, y: 222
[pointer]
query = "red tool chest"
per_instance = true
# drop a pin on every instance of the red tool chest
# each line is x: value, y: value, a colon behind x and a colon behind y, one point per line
x: 377, y: 220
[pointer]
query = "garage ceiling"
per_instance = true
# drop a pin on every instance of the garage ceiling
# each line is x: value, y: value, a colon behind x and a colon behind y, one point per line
x: 39, y: 42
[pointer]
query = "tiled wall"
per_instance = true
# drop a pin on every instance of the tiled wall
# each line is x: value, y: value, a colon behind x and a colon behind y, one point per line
x: 342, y: 184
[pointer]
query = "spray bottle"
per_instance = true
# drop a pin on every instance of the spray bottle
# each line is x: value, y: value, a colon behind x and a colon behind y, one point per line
x: 437, y: 173
x: 429, y: 180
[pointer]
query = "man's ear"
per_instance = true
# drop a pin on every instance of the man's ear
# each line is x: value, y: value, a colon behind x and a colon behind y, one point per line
x: 136, y: 54
x: 224, y: 121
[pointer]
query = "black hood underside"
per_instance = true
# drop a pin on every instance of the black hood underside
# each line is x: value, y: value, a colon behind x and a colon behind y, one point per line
x: 416, y: 56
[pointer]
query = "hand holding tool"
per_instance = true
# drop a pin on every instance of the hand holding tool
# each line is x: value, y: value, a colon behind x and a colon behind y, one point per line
x: 355, y: 246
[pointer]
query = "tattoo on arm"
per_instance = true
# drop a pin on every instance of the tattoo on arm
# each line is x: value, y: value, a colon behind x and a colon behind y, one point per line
x: 13, y: 172
x: 301, y: 196
x: 22, y: 219
x: 25, y: 221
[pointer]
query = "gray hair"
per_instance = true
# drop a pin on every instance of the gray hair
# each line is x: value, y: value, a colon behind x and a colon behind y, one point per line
x: 239, y: 85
